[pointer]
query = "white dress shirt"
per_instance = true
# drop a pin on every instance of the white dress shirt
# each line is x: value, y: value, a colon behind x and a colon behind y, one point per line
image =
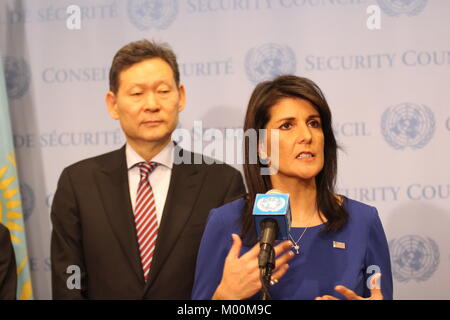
x: 159, y: 178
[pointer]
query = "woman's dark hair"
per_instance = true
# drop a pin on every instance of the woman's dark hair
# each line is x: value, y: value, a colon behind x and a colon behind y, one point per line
x: 265, y: 95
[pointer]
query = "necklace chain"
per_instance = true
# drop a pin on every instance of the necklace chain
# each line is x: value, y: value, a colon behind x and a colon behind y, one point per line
x: 296, y: 246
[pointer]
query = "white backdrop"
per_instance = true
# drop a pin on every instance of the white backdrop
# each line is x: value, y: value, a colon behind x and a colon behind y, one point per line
x: 387, y: 88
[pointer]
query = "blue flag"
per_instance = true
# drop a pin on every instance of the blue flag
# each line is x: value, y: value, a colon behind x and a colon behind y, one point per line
x: 11, y: 213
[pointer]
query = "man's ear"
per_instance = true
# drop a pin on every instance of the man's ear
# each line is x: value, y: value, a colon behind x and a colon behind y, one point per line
x: 111, y: 102
x: 182, y: 93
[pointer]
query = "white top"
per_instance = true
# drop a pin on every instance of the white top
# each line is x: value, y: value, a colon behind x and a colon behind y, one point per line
x: 159, y: 178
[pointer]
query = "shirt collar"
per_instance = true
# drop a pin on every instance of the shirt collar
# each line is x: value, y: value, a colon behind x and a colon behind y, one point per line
x: 164, y: 157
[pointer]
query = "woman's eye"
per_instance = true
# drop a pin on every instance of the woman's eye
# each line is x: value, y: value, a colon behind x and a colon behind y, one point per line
x: 136, y: 93
x: 286, y: 126
x: 314, y: 124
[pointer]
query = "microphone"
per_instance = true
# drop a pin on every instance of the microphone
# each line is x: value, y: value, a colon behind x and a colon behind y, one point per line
x: 272, y: 214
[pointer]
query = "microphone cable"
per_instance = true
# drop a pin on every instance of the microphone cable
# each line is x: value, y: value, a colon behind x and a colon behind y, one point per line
x: 265, y: 276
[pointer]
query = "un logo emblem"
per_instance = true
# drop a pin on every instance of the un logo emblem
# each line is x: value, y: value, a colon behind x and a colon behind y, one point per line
x: 414, y: 257
x: 408, y: 125
x: 147, y: 14
x: 28, y: 200
x: 269, y: 61
x: 17, y: 74
x: 398, y: 7
x: 271, y: 204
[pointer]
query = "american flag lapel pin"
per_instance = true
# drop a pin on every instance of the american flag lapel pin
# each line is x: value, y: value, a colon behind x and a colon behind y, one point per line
x: 338, y: 244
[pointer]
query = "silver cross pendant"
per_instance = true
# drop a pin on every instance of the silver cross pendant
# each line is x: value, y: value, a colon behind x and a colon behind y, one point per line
x: 297, y: 249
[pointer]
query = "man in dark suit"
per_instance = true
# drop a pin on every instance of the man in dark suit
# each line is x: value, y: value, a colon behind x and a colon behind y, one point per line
x: 127, y: 224
x: 8, y: 273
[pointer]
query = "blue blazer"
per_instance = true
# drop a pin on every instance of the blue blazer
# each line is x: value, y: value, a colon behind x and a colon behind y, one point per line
x: 323, y: 261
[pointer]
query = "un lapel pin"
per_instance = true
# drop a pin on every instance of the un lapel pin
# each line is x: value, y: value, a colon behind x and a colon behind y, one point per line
x: 339, y: 245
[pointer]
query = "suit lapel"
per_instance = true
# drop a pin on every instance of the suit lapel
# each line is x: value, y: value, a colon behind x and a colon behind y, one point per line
x: 112, y: 183
x: 184, y: 188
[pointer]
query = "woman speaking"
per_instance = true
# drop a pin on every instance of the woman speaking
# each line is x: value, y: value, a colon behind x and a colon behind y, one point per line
x: 337, y: 247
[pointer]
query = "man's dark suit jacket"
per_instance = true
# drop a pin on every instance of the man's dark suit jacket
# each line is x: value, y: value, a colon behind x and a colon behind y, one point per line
x: 8, y: 273
x: 93, y: 228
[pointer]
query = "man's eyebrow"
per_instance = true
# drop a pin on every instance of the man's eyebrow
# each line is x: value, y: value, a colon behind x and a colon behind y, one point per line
x: 145, y: 84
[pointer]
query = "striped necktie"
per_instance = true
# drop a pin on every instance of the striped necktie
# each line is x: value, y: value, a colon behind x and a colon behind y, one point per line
x: 145, y: 217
